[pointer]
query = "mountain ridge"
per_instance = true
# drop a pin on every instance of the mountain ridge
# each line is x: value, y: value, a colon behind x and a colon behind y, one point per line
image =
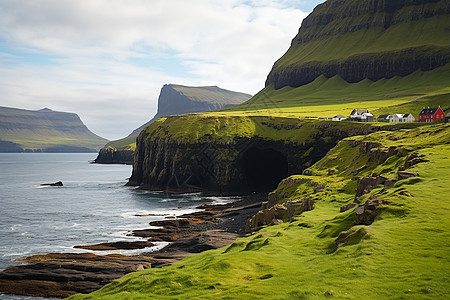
x: 375, y: 40
x: 45, y: 130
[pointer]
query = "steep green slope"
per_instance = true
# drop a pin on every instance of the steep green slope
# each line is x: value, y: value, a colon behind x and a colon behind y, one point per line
x: 326, y: 253
x: 328, y: 97
x: 366, y: 39
x: 45, y: 130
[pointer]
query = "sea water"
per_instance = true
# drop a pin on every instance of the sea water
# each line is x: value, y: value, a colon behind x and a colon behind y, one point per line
x: 93, y: 206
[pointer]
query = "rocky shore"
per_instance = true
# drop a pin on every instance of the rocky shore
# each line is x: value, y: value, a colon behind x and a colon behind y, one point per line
x: 63, y: 274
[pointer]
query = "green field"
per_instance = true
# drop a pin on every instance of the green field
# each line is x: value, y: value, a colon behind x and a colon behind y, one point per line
x: 329, y: 97
x: 403, y: 254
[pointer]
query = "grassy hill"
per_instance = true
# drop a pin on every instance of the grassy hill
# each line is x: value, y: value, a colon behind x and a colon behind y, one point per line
x: 325, y: 253
x: 392, y: 241
x: 45, y: 130
x: 359, y: 39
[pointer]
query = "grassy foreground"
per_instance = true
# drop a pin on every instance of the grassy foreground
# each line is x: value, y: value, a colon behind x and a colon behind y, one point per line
x: 403, y: 254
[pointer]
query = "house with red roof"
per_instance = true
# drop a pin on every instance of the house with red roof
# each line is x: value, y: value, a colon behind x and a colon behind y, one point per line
x: 431, y: 114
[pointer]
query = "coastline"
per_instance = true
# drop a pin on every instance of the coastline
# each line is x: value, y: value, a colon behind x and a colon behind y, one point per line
x: 61, y: 275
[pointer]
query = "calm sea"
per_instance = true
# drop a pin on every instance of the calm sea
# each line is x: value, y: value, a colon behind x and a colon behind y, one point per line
x: 92, y: 207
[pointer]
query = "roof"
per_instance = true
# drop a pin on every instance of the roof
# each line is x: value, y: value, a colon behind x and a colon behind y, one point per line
x: 339, y: 116
x: 383, y: 116
x: 399, y: 115
x: 429, y: 111
x: 359, y: 111
x: 407, y: 115
x: 368, y: 114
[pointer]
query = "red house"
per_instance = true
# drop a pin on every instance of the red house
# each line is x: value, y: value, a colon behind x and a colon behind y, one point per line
x: 431, y: 114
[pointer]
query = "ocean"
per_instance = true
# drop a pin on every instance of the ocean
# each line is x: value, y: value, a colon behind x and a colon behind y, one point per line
x: 93, y: 206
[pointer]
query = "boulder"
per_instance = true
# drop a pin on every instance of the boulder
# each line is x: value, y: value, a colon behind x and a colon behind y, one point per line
x: 58, y: 183
x: 406, y: 175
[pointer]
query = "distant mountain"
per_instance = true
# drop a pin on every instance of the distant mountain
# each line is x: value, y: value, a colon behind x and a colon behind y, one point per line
x: 45, y: 130
x: 178, y: 99
x: 370, y: 39
x: 173, y: 100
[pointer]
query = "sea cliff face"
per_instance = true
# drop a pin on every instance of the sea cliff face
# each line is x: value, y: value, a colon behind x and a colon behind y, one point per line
x: 272, y: 149
x: 366, y: 39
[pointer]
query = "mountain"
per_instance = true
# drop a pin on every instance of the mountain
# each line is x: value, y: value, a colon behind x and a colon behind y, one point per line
x: 371, y: 39
x: 173, y: 100
x: 177, y: 99
x: 45, y: 130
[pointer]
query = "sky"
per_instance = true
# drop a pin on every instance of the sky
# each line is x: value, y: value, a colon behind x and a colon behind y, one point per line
x: 107, y: 60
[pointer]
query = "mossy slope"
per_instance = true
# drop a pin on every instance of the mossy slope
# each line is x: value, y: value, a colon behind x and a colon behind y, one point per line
x: 403, y: 254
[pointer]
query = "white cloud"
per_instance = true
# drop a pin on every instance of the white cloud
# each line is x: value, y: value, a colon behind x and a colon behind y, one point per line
x: 108, y: 59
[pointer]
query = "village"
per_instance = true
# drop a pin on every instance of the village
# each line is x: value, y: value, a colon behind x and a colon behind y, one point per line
x: 426, y: 115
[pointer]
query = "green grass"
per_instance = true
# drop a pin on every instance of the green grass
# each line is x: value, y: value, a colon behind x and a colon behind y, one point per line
x: 329, y: 97
x: 207, y: 127
x: 404, y: 254
x: 428, y: 32
x: 321, y: 98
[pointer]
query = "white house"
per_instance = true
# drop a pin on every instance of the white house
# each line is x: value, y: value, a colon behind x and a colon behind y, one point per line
x: 338, y: 118
x: 361, y: 115
x: 402, y: 118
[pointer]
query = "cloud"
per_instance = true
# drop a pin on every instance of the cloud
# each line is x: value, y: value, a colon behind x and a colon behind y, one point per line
x: 108, y: 59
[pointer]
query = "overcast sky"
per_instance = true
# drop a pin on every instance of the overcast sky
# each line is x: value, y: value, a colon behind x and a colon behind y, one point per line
x: 106, y: 60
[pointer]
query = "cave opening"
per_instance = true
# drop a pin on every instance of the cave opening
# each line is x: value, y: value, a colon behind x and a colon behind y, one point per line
x: 264, y: 168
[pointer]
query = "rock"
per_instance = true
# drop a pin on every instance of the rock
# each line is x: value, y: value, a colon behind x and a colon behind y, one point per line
x: 65, y: 274
x: 357, y: 171
x: 366, y: 214
x: 406, y: 175
x: 347, y: 207
x: 307, y: 172
x: 405, y: 193
x: 112, y: 155
x: 117, y: 246
x: 413, y: 159
x: 279, y: 212
x: 58, y: 183
x: 349, y: 237
x: 266, y: 217
x: 366, y: 184
x: 332, y: 171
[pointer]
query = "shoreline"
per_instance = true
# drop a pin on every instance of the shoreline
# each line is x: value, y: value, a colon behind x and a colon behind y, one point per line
x: 60, y: 275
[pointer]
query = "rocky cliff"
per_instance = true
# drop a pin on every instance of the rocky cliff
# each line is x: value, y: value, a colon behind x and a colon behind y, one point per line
x: 45, y: 130
x: 224, y: 155
x: 173, y: 100
x: 371, y: 39
x: 176, y: 99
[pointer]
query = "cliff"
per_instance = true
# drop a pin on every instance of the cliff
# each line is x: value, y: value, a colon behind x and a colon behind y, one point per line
x: 177, y: 99
x: 372, y: 39
x: 45, y: 130
x: 389, y: 242
x: 232, y: 155
x: 173, y: 100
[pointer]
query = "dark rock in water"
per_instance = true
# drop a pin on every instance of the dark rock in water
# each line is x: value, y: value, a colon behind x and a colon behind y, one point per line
x: 112, y: 155
x: 117, y: 246
x: 63, y: 275
x: 58, y: 183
